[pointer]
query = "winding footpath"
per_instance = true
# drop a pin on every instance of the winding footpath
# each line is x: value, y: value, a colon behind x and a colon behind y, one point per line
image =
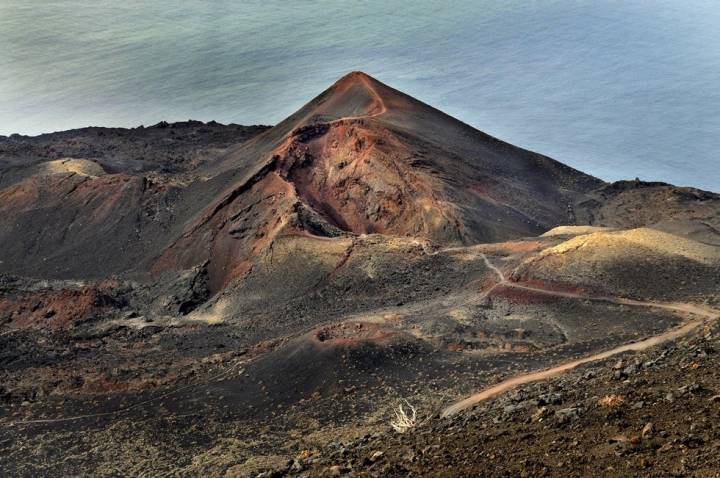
x: 376, y: 98
x: 705, y: 315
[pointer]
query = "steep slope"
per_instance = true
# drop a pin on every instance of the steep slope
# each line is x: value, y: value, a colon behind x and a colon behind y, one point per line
x: 359, y: 158
x: 364, y: 158
x: 362, y: 145
x: 95, y: 202
x: 69, y: 224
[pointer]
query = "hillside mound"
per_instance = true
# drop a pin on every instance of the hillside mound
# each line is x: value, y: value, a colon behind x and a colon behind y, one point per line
x: 364, y: 158
x: 360, y: 158
x: 81, y: 167
x: 682, y: 211
x: 642, y: 263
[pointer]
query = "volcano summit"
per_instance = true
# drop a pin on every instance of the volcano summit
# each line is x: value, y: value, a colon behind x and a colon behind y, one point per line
x: 211, y: 300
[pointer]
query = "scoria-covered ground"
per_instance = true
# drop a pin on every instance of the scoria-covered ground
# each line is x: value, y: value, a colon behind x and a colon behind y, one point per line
x: 197, y: 299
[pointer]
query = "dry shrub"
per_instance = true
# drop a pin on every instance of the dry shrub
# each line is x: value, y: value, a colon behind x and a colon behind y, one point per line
x: 403, y: 420
x: 305, y: 454
x: 612, y: 401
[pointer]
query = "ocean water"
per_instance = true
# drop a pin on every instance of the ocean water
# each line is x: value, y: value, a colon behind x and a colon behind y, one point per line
x: 616, y: 88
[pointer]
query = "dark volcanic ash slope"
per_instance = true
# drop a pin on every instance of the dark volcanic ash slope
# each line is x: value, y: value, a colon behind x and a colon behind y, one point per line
x: 164, y: 147
x: 92, y: 202
x: 654, y: 414
x: 359, y: 158
x: 214, y: 301
x: 688, y: 212
x: 364, y: 158
x: 373, y: 159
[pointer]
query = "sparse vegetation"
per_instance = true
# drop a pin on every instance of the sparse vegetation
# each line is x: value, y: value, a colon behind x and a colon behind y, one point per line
x: 305, y: 454
x: 404, y: 421
x: 611, y: 401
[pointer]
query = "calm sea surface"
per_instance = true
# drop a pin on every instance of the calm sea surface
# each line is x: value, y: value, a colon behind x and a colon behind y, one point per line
x: 615, y: 88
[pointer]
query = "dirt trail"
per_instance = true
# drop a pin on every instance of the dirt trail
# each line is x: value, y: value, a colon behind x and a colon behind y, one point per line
x: 376, y: 98
x: 705, y: 313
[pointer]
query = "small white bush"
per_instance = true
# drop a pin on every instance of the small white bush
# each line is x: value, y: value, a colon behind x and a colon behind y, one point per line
x: 404, y: 421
